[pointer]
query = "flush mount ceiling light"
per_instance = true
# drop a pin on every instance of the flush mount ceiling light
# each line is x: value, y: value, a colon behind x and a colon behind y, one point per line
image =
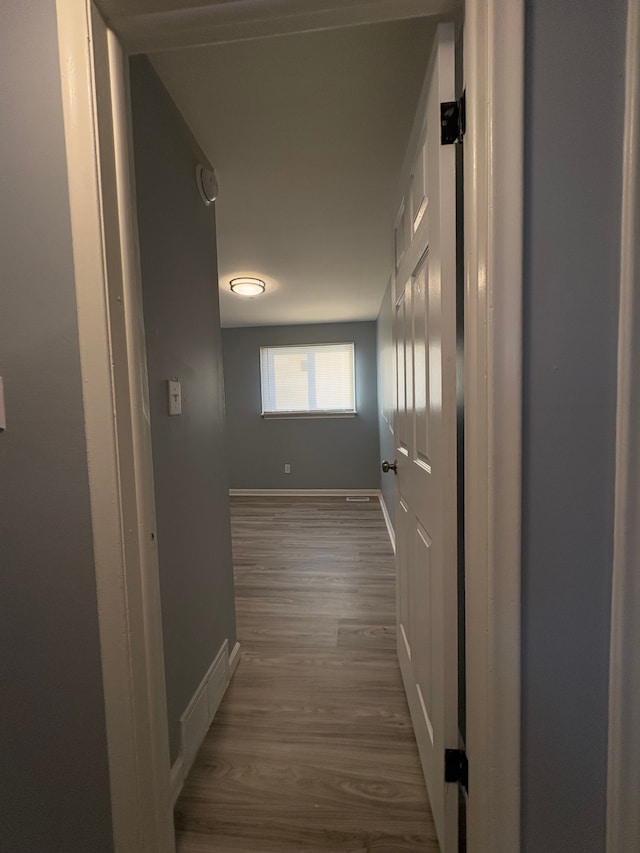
x: 247, y: 286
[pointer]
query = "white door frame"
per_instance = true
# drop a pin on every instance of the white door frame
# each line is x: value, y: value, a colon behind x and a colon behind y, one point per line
x: 116, y: 412
x: 493, y: 217
x: 623, y: 794
x: 108, y: 285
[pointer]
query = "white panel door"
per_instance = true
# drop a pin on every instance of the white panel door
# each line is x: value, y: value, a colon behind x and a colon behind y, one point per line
x: 425, y: 429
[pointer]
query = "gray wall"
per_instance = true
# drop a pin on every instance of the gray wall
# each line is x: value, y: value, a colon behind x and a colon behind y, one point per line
x: 386, y: 402
x: 182, y: 321
x: 574, y: 112
x: 54, y: 786
x: 326, y: 453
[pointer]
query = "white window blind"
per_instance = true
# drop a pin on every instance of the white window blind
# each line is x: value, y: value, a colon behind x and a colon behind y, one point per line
x: 313, y: 379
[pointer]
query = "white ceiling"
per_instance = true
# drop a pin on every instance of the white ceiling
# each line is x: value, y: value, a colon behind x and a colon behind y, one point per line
x: 307, y: 135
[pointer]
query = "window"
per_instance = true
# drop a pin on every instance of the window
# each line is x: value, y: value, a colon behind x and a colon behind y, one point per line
x: 315, y: 379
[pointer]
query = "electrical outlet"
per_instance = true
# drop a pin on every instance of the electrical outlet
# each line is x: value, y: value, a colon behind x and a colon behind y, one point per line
x: 287, y: 468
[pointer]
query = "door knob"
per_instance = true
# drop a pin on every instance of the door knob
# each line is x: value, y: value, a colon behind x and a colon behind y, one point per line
x: 388, y: 466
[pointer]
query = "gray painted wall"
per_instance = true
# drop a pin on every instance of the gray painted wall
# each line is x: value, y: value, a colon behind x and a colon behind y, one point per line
x: 386, y: 386
x: 574, y: 112
x: 182, y: 321
x: 326, y: 453
x: 54, y: 784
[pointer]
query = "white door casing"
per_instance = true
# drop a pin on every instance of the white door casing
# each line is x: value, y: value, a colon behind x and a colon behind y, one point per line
x: 115, y: 399
x: 493, y: 215
x: 623, y: 789
x: 425, y: 432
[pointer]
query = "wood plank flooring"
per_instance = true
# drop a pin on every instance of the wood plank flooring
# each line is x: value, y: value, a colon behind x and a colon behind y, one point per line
x: 312, y: 748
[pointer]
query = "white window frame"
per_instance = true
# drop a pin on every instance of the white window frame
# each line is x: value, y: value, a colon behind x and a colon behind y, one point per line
x: 309, y: 413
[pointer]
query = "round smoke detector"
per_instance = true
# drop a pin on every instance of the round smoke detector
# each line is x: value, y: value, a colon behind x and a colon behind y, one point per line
x: 207, y: 184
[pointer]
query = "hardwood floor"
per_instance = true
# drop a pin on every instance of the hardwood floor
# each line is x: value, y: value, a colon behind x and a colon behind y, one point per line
x: 312, y: 748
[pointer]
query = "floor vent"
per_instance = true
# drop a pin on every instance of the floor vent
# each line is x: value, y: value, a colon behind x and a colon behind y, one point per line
x: 356, y: 498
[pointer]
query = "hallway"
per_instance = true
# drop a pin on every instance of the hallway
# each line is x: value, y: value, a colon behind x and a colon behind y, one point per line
x: 312, y: 747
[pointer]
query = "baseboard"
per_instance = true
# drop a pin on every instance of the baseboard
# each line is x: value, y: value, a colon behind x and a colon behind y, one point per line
x: 387, y: 519
x: 234, y: 660
x: 176, y: 779
x: 199, y: 714
x: 292, y: 493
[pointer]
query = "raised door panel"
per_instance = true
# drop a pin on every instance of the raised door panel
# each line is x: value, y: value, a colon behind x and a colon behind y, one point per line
x: 421, y: 396
x: 403, y: 578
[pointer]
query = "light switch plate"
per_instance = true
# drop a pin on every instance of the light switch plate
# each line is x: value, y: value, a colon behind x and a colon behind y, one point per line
x: 175, y: 396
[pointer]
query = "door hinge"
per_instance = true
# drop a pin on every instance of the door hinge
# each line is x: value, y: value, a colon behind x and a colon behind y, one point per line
x: 453, y: 119
x: 456, y: 767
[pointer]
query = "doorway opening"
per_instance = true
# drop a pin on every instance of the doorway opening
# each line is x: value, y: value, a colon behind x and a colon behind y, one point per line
x: 306, y: 205
x: 105, y: 234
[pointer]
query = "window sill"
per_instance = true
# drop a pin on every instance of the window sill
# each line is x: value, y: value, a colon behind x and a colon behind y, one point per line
x: 279, y: 416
